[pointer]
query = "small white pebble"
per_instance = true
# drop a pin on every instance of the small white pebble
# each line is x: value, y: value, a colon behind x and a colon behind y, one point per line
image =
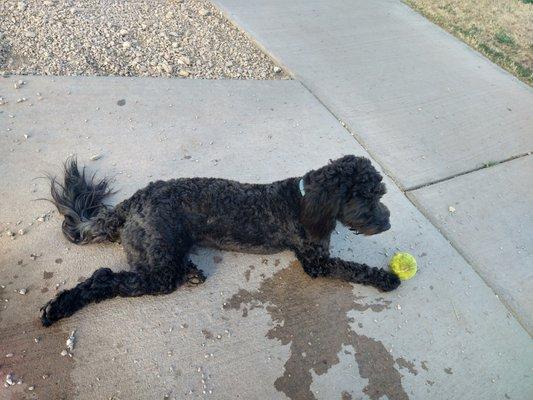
x: 70, y: 340
x: 64, y: 353
x: 451, y: 209
x: 9, y: 379
x: 23, y: 291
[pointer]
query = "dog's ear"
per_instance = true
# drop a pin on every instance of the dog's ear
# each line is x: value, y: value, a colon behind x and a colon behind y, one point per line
x: 320, y: 208
x: 325, y: 190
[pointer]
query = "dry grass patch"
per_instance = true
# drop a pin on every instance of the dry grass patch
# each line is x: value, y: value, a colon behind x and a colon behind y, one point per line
x: 500, y: 29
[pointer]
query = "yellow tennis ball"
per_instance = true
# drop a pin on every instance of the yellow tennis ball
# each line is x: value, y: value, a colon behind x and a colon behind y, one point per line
x: 403, y: 265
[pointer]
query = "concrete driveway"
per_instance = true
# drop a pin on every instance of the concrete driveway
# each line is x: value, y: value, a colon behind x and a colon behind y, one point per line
x: 259, y: 328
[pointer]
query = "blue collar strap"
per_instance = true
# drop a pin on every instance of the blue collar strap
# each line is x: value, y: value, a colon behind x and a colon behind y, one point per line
x: 301, y: 186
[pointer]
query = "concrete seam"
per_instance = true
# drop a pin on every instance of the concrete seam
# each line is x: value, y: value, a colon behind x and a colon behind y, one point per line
x: 484, y: 166
x: 470, y: 262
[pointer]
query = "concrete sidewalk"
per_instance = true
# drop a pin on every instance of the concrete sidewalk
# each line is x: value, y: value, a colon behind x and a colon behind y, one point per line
x: 428, y: 108
x: 425, y: 105
x: 491, y: 224
x: 259, y: 327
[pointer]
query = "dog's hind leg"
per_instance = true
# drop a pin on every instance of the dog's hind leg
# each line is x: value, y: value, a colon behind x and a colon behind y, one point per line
x: 160, y: 266
x: 195, y: 275
x: 317, y: 262
x: 103, y: 284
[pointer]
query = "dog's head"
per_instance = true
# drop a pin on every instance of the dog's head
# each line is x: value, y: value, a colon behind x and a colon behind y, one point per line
x: 348, y: 190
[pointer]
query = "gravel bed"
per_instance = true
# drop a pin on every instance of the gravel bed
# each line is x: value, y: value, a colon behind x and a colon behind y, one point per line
x: 184, y: 38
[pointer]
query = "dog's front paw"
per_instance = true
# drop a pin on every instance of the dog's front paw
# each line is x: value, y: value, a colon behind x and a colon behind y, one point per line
x: 388, y: 282
x: 48, y: 313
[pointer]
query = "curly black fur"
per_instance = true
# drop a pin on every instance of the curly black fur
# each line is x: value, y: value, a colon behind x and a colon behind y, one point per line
x: 80, y: 200
x: 159, y: 224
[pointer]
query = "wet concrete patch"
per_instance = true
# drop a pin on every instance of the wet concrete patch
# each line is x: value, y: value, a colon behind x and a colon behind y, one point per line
x: 311, y: 316
x: 248, y: 272
x: 409, y: 365
x: 48, y: 275
x: 207, y: 334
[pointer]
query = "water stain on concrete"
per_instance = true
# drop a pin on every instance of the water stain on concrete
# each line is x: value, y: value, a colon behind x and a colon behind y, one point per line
x: 37, y: 364
x: 380, y: 305
x: 47, y: 275
x: 207, y: 334
x: 403, y: 363
x: 311, y: 316
x: 58, y: 260
x: 121, y: 102
x: 248, y: 272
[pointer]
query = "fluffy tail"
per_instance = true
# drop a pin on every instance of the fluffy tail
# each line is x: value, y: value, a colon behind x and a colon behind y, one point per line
x: 80, y: 200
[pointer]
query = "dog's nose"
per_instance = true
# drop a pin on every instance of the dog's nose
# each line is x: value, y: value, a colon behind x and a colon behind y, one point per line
x: 386, y: 226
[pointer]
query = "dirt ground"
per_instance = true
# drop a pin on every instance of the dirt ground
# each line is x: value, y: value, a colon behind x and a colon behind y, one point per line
x: 183, y: 38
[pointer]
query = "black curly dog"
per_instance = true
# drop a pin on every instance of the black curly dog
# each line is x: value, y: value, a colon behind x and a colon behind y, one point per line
x: 159, y: 224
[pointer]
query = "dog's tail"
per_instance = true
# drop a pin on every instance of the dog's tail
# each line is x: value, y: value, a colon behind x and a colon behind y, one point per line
x: 80, y: 200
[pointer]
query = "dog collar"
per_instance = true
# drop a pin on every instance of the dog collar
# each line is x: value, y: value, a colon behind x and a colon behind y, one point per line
x: 301, y: 186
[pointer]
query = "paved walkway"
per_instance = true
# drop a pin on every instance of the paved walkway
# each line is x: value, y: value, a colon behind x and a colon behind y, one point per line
x: 425, y: 105
x: 427, y: 108
x: 259, y: 327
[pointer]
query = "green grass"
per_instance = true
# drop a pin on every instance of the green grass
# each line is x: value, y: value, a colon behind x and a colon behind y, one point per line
x: 489, y: 164
x: 504, y: 38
